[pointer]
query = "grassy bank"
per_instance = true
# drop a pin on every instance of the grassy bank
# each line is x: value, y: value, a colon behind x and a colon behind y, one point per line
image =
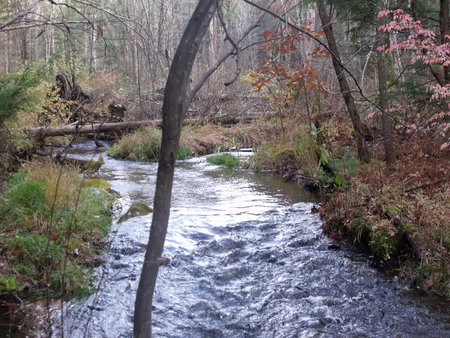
x: 197, y: 140
x: 52, y: 229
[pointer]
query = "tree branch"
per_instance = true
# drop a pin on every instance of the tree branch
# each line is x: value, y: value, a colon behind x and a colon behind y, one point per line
x: 235, y: 46
x: 218, y: 63
x: 19, y: 15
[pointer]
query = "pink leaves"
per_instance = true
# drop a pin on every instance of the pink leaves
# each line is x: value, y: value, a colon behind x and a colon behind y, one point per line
x: 439, y: 92
x: 444, y: 146
x: 421, y: 41
x: 386, y: 12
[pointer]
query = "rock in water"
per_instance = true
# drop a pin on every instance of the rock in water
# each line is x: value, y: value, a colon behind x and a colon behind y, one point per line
x: 136, y: 209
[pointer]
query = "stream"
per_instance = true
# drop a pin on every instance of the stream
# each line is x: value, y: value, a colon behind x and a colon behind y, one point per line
x: 247, y: 259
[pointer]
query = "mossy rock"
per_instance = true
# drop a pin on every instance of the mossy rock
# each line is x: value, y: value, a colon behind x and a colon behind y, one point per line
x: 97, y: 183
x: 135, y: 210
x: 95, y: 165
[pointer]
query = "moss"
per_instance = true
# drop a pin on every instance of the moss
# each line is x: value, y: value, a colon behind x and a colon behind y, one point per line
x: 226, y: 160
x: 135, y: 210
x: 96, y: 183
x: 95, y: 165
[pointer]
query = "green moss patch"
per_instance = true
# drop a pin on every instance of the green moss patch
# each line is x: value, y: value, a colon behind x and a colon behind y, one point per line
x: 226, y: 160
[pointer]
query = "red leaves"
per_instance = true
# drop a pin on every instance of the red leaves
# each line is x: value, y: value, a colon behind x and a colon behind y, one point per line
x: 287, y: 80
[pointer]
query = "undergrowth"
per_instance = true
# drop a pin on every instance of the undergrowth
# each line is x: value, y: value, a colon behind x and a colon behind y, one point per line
x: 401, y: 216
x: 142, y: 145
x: 306, y: 153
x: 51, y: 230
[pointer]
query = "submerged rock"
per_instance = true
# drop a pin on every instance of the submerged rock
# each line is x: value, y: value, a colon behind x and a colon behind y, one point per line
x: 135, y: 210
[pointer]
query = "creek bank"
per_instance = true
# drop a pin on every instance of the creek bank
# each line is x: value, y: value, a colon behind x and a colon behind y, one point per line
x: 401, y: 218
x: 364, y: 205
x: 53, y: 224
x: 247, y: 259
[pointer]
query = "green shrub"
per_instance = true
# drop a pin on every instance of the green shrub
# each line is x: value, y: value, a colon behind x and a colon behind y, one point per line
x: 9, y: 285
x: 35, y: 249
x: 15, y: 94
x: 226, y: 160
x: 22, y: 200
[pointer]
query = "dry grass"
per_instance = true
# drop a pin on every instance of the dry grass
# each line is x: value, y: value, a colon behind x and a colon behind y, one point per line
x: 209, y: 138
x: 62, y: 182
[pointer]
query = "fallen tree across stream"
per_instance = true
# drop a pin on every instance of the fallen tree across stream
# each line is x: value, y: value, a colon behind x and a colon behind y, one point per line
x: 95, y: 128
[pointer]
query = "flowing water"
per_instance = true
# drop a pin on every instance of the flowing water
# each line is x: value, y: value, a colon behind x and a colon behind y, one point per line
x: 248, y: 259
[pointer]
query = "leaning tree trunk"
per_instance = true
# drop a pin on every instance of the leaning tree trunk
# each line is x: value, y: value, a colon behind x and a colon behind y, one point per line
x: 174, y: 107
x: 361, y: 146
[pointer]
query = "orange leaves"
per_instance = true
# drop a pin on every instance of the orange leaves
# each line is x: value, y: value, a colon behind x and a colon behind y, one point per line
x: 281, y: 42
x: 287, y: 40
x: 284, y: 79
x: 267, y: 34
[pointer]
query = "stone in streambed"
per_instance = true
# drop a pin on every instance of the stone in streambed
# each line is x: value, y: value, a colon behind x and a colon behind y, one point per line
x: 135, y: 210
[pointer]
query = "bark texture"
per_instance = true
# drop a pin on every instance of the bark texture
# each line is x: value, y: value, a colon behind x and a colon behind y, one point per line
x: 445, y: 31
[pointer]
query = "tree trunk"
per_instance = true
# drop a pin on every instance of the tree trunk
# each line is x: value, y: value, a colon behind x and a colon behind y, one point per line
x: 361, y: 146
x: 386, y: 125
x: 174, y: 107
x: 445, y: 31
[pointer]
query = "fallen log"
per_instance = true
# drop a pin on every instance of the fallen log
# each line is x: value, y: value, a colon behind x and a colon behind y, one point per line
x: 94, y: 128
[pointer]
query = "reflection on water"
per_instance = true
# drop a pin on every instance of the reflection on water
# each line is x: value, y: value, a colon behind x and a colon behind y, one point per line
x: 248, y: 259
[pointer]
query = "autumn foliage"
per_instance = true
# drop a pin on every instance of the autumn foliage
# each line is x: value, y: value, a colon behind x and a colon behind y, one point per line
x: 285, y: 74
x: 422, y: 45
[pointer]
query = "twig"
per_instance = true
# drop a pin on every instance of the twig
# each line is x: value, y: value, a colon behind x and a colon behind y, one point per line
x: 20, y: 15
x: 428, y: 184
